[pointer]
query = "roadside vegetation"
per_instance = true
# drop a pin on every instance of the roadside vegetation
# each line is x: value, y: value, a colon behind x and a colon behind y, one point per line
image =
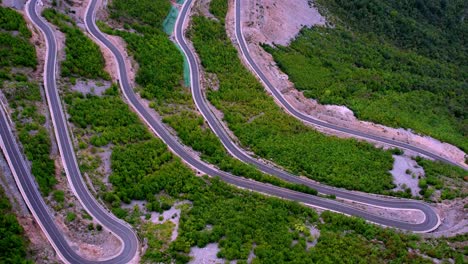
x: 160, y: 75
x: 15, y: 49
x: 268, y: 124
x: 272, y: 134
x: 240, y: 221
x: 82, y: 55
x: 432, y: 28
x: 397, y: 63
x: 24, y: 96
x: 218, y: 57
x: 450, y: 181
x: 13, y: 243
x: 26, y: 102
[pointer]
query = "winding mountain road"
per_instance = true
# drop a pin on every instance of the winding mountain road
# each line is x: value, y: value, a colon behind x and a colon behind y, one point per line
x: 122, y: 230
x: 29, y: 189
x: 430, y: 222
x: 278, y: 96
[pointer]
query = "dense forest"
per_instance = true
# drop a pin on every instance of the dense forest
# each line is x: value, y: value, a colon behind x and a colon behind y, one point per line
x: 24, y: 96
x: 13, y: 244
x: 109, y: 116
x: 433, y: 28
x: 82, y: 55
x: 397, y: 63
x: 15, y: 49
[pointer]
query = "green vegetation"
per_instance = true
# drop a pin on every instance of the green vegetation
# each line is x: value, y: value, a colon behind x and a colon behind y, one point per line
x: 24, y: 97
x: 15, y: 49
x: 433, y: 28
x: 219, y: 9
x: 190, y: 129
x: 83, y: 57
x: 59, y: 196
x: 272, y: 134
x: 239, y: 221
x: 108, y: 116
x: 160, y: 74
x: 242, y: 221
x: 450, y: 180
x: 398, y: 63
x: 160, y: 62
x: 13, y: 244
x: 148, y: 12
x: 70, y: 217
x: 158, y: 236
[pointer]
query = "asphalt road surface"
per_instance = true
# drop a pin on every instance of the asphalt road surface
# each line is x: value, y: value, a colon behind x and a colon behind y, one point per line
x: 431, y: 220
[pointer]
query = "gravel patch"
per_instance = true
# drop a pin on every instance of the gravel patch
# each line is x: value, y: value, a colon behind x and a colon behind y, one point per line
x: 91, y: 87
x: 105, y: 156
x: 206, y: 255
x: 406, y: 173
x: 16, y: 4
x: 251, y: 254
x: 315, y: 233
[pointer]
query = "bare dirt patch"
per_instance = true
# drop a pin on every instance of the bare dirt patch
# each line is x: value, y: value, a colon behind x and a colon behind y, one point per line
x: 277, y: 21
x: 406, y: 174
x: 17, y: 4
x: 90, y: 244
x: 41, y: 250
x: 453, y: 217
x: 173, y: 215
x: 272, y: 21
x: 91, y: 87
x: 203, y: 7
x: 206, y: 255
x: 315, y: 234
